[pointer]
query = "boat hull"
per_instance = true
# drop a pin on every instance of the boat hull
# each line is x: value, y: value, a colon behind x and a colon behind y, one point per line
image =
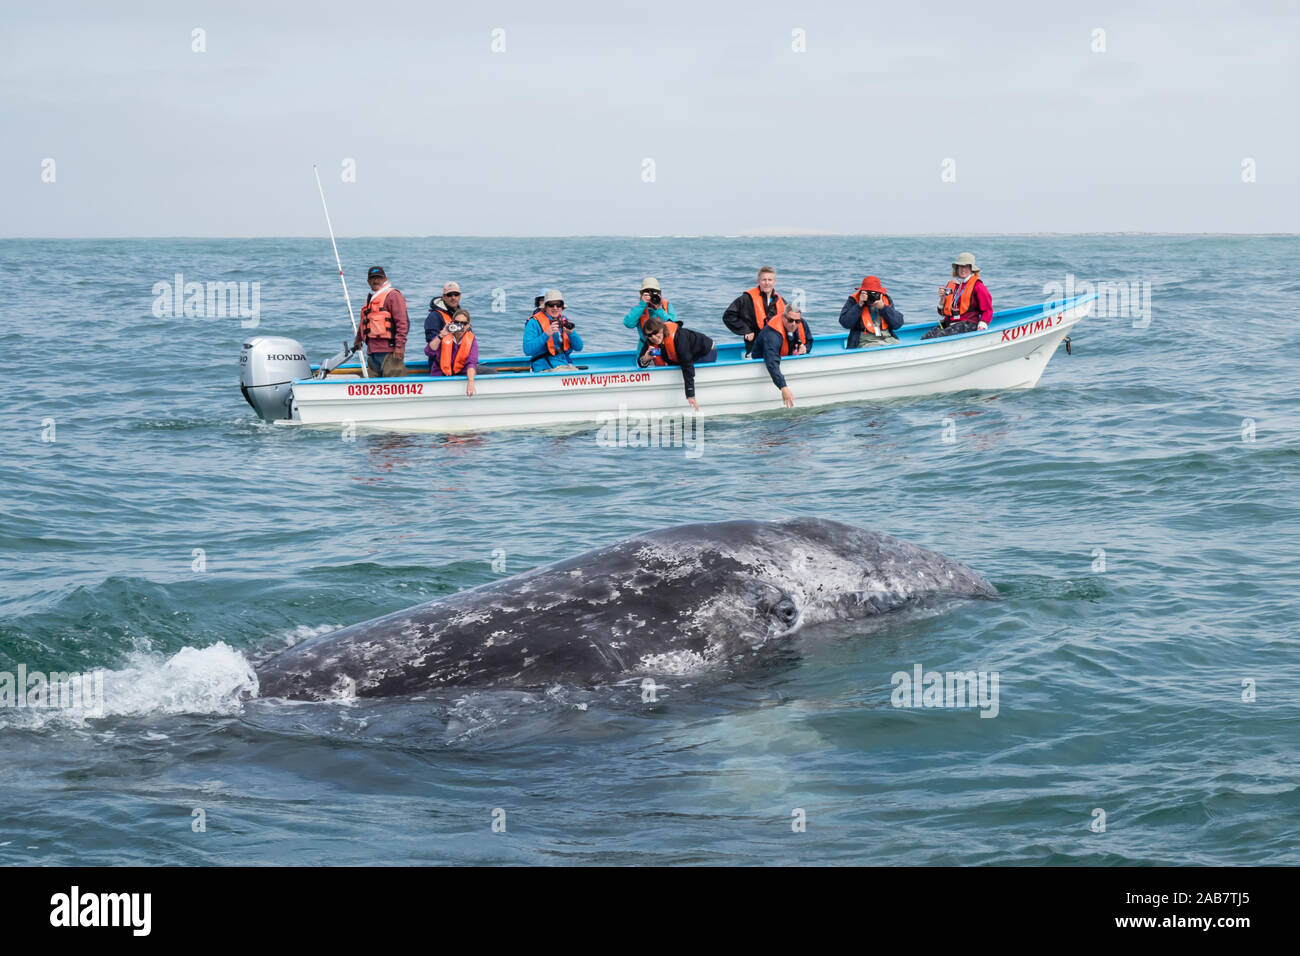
x: 1011, y: 354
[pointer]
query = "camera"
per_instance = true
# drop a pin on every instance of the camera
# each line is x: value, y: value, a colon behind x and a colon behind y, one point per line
x: 873, y: 297
x: 655, y: 298
x: 565, y: 323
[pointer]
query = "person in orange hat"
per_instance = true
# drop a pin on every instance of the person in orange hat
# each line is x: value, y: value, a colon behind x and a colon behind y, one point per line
x: 870, y: 316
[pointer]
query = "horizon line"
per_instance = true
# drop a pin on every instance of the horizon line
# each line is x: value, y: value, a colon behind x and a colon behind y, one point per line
x: 612, y: 235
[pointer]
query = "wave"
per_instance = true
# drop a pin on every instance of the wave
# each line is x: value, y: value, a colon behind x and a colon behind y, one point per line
x: 211, y: 680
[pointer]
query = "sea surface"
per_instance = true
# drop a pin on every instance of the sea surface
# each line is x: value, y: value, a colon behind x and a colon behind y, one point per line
x: 1138, y: 512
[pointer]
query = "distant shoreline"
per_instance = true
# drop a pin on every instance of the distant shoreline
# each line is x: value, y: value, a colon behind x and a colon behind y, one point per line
x: 742, y: 235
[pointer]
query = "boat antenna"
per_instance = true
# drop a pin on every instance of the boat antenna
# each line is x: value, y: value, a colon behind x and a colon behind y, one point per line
x: 365, y: 373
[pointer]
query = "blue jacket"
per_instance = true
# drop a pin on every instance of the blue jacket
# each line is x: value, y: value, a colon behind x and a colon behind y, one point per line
x: 851, y: 319
x: 535, y: 338
x: 633, y: 318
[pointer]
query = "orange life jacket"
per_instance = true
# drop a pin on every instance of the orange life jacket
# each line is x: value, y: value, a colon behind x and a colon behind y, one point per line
x: 544, y: 320
x: 760, y: 311
x: 867, y: 324
x: 445, y: 362
x: 946, y: 306
x: 376, y: 321
x: 446, y: 316
x: 669, y: 346
x: 798, y: 332
x: 640, y: 323
x: 778, y: 322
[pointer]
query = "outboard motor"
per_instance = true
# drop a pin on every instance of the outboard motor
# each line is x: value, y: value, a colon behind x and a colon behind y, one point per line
x: 268, y: 366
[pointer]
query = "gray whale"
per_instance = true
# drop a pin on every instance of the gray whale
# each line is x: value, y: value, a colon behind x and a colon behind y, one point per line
x: 691, y: 595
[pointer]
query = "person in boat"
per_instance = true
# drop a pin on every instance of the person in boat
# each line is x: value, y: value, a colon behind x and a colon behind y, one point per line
x: 441, y: 308
x: 769, y: 344
x: 870, y: 316
x: 670, y: 343
x: 965, y: 304
x: 651, y: 305
x: 752, y: 309
x: 798, y: 337
x: 549, y: 336
x: 383, y: 326
x: 455, y: 350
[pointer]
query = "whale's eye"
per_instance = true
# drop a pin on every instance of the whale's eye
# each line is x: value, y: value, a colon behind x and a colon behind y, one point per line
x: 786, y: 610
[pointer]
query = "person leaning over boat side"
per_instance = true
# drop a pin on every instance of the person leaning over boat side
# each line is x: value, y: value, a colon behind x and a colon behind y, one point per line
x: 440, y: 310
x: 549, y: 336
x: 383, y: 325
x: 798, y: 337
x: 651, y: 304
x: 669, y: 343
x: 965, y: 304
x: 752, y: 309
x: 455, y: 350
x: 770, y: 343
x: 870, y: 316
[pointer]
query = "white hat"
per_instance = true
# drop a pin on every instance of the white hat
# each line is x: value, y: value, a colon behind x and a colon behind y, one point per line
x: 450, y: 287
x: 650, y: 282
x: 553, y: 295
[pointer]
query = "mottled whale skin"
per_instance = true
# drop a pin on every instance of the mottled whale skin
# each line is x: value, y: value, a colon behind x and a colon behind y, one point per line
x: 698, y: 593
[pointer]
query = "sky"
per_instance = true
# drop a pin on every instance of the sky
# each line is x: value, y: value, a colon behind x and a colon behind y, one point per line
x: 610, y: 118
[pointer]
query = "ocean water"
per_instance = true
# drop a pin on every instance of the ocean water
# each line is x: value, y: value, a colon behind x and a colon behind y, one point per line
x: 1139, y: 513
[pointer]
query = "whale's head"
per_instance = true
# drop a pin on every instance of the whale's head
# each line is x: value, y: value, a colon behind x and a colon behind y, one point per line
x: 759, y: 579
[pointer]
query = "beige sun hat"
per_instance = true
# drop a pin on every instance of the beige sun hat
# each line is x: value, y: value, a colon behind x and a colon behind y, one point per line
x: 965, y: 259
x: 553, y: 295
x: 650, y: 282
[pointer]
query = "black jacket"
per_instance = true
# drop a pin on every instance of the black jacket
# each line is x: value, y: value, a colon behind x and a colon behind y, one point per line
x: 435, y: 320
x: 739, y: 316
x: 690, y: 346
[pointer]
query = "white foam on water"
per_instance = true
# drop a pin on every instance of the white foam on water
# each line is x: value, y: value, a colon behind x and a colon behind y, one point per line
x: 303, y: 632
x: 674, y: 663
x: 208, y: 680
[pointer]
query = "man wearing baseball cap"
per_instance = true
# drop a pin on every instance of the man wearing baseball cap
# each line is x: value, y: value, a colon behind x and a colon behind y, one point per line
x: 383, y: 325
x: 441, y: 309
x: 870, y: 316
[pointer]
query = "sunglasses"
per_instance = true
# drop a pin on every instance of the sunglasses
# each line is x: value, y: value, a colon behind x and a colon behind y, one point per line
x: 555, y: 305
x: 448, y: 295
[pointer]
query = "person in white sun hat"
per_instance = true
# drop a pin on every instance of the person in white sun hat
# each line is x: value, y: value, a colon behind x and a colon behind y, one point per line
x: 965, y: 304
x: 651, y: 304
x: 549, y: 335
